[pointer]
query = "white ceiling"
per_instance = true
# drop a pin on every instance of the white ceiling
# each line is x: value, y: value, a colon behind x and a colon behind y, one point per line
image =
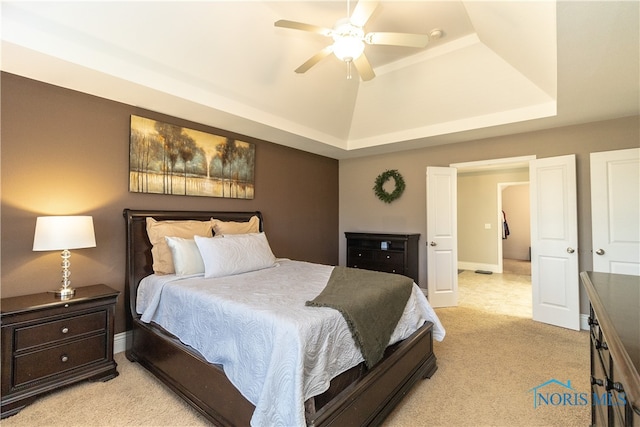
x: 501, y: 67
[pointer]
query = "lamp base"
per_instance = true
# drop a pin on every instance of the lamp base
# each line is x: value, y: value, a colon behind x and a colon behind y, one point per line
x: 65, y: 293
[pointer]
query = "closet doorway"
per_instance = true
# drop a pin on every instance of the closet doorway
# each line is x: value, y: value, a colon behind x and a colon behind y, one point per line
x: 514, y: 241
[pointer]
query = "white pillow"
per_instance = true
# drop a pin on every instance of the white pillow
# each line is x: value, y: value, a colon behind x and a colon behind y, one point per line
x: 234, y: 254
x: 186, y: 256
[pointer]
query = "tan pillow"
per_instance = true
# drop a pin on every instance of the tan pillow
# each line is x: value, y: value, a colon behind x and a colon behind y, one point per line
x: 231, y: 227
x: 158, y: 230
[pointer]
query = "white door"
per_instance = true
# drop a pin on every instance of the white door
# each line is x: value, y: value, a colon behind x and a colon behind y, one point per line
x: 554, y: 241
x: 615, y: 211
x: 442, y: 236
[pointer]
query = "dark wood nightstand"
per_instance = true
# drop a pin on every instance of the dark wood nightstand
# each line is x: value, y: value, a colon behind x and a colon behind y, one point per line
x: 48, y: 343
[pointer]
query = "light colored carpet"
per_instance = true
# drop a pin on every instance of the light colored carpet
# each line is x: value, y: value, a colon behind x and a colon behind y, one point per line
x: 491, y: 358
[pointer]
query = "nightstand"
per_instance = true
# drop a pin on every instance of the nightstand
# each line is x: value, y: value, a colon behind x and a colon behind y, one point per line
x: 48, y: 343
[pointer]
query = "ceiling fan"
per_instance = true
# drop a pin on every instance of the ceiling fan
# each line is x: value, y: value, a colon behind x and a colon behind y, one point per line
x: 349, y: 39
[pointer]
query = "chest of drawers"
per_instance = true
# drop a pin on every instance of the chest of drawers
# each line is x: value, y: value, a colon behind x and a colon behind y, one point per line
x: 49, y: 343
x: 391, y: 253
x: 614, y: 321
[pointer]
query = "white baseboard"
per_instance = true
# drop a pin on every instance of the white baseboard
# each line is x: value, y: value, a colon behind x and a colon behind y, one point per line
x: 120, y: 342
x: 473, y: 266
x: 584, y: 322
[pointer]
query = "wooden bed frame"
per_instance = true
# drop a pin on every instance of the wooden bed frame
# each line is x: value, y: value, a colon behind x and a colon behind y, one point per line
x: 359, y: 396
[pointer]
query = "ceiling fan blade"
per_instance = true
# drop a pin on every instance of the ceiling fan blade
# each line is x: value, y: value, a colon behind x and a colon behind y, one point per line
x: 362, y: 12
x: 364, y: 68
x: 397, y: 39
x: 302, y: 26
x: 315, y: 59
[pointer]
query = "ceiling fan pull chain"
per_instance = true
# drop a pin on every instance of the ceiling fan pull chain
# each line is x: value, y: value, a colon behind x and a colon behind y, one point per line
x: 349, y: 69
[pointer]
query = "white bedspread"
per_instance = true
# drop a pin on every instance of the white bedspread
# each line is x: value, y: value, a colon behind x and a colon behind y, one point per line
x: 275, y: 350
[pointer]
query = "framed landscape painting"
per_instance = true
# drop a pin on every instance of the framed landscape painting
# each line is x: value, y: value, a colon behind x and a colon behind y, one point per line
x: 170, y: 159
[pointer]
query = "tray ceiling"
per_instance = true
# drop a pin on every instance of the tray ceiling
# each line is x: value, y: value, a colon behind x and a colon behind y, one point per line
x: 500, y: 67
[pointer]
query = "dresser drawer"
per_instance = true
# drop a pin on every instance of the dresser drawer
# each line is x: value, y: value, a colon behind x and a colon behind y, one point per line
x: 358, y: 254
x: 34, y: 366
x: 391, y: 268
x: 603, y: 352
x: 594, y: 325
x: 390, y: 257
x: 48, y: 332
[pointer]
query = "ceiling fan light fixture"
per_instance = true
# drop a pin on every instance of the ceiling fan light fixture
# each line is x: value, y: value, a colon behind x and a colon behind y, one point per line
x: 348, y: 48
x: 348, y: 41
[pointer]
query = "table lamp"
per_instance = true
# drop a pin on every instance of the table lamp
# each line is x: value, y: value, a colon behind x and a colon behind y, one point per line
x: 63, y: 233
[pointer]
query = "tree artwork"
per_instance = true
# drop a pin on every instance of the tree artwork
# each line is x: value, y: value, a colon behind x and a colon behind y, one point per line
x: 170, y: 159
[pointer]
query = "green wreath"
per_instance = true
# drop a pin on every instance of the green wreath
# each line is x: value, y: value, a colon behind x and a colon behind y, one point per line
x: 378, y: 188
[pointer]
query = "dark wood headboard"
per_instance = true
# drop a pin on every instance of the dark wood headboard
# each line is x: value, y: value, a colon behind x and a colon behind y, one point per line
x: 138, y: 251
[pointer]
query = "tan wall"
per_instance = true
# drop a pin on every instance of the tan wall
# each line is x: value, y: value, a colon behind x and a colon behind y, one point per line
x: 64, y: 152
x: 360, y: 210
x: 477, y: 206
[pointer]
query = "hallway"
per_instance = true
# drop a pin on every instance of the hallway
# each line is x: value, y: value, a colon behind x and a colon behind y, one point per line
x: 506, y: 293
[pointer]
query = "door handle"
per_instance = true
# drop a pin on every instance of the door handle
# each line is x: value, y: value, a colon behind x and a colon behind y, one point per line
x: 433, y: 244
x: 600, y: 251
x: 570, y: 250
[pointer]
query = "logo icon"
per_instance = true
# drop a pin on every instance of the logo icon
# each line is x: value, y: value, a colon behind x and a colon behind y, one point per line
x: 561, y: 395
x: 556, y: 393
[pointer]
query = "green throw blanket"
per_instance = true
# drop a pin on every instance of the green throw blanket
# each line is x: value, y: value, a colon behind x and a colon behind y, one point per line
x: 371, y: 303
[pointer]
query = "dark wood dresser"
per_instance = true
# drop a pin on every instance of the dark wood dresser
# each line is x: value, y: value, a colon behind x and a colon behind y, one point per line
x: 615, y: 348
x: 48, y: 343
x: 391, y: 253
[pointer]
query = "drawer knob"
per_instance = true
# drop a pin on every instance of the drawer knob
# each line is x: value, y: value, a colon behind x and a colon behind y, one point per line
x: 64, y: 330
x: 388, y: 257
x: 612, y: 385
x: 64, y: 358
x: 609, y: 384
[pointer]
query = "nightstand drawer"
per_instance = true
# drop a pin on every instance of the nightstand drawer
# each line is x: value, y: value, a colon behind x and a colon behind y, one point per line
x: 45, y: 333
x: 30, y: 367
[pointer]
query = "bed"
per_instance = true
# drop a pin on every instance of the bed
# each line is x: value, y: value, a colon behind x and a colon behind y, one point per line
x: 357, y: 396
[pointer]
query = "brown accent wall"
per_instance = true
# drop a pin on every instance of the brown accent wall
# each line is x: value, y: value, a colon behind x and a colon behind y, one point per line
x: 66, y: 152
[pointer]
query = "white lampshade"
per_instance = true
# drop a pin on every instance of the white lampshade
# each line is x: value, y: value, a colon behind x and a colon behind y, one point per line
x: 63, y: 232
